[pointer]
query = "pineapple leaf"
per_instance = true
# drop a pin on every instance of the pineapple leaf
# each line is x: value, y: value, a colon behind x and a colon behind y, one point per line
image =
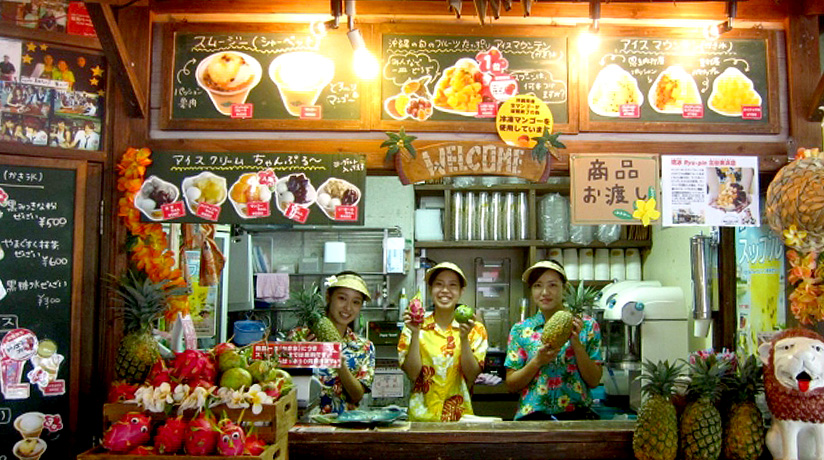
x: 140, y: 300
x: 581, y: 299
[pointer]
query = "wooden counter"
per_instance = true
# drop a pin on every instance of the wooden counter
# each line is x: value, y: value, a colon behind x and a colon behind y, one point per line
x: 488, y: 441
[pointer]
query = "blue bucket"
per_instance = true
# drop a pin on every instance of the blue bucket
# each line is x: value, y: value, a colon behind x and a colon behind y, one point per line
x: 247, y: 332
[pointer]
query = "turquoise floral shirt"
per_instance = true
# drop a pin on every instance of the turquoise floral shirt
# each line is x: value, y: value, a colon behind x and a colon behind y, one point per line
x: 558, y: 387
x: 359, y: 356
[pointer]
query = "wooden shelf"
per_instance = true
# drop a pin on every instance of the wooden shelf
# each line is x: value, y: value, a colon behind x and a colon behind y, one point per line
x: 40, y: 35
x: 485, y: 244
x: 544, y: 188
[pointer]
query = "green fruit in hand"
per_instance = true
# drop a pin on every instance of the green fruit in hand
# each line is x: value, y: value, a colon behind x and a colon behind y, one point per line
x: 463, y: 313
x: 230, y: 359
x: 235, y: 378
x: 260, y: 370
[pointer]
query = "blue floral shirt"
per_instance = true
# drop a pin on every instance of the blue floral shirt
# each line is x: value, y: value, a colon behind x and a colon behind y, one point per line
x: 359, y: 356
x: 558, y: 387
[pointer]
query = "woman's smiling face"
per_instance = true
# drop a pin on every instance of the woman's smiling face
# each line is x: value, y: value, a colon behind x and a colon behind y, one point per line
x: 446, y: 289
x: 548, y: 292
x: 344, y: 305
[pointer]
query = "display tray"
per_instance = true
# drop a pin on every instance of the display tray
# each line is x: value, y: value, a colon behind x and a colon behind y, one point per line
x: 276, y: 451
x: 271, y: 424
x: 360, y: 418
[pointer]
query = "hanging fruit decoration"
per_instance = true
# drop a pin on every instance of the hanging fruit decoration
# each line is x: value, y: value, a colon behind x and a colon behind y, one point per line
x: 795, y: 210
x: 146, y: 242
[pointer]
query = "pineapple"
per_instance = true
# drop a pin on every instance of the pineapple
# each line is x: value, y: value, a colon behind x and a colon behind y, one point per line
x: 142, y: 303
x: 557, y: 329
x: 700, y: 427
x: 311, y: 313
x: 744, y: 424
x: 656, y: 431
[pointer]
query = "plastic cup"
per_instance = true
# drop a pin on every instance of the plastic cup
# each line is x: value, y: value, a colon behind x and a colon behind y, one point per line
x: 30, y: 424
x: 224, y: 99
x: 29, y: 449
x: 300, y: 77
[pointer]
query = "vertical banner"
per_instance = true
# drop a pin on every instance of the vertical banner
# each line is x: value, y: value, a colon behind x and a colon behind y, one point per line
x: 759, y: 284
x: 607, y: 188
x: 710, y: 190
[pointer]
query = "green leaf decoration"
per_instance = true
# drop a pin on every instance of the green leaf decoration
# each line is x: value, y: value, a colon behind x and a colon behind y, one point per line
x: 553, y: 141
x: 397, y: 142
x: 546, y: 143
x: 651, y: 192
x: 622, y: 214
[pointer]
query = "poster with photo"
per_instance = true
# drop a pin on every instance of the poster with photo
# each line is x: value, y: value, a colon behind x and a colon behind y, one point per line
x: 10, y: 53
x: 48, y: 15
x: 710, y: 191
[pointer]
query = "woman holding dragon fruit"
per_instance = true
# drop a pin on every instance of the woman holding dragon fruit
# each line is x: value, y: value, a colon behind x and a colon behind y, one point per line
x: 343, y: 388
x: 443, y: 351
x: 552, y: 358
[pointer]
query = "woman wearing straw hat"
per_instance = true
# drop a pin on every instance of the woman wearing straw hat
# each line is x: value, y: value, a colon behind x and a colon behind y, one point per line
x: 343, y: 388
x: 554, y: 382
x: 442, y: 356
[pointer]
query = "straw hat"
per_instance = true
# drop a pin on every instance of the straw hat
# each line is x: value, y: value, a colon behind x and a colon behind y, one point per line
x: 348, y: 280
x: 548, y: 264
x: 445, y: 266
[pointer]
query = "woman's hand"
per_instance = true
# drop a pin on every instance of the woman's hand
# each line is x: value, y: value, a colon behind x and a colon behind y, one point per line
x: 545, y: 355
x: 466, y: 328
x: 413, y: 327
x: 577, y: 325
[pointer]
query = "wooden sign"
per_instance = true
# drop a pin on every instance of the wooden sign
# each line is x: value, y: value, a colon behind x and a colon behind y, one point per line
x: 454, y: 80
x: 260, y: 77
x: 605, y: 187
x: 468, y: 158
x: 637, y: 81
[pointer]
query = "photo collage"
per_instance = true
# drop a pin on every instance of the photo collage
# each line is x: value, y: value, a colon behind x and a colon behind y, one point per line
x: 51, y: 95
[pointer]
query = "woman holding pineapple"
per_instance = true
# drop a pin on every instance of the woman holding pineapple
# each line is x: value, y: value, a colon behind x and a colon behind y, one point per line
x: 553, y: 357
x: 441, y: 355
x: 342, y: 388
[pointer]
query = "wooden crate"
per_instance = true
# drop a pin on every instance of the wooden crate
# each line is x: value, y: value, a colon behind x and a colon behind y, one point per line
x: 271, y: 424
x: 277, y: 451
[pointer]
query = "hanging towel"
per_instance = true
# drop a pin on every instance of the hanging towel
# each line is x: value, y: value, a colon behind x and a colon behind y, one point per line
x: 272, y: 287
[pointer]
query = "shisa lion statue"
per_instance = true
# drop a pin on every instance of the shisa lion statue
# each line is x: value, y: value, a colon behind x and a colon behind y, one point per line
x: 794, y: 387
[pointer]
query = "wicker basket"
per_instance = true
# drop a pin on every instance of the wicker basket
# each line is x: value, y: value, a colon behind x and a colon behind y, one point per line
x: 796, y: 197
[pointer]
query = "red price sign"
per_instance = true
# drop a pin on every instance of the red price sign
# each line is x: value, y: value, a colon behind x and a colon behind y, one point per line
x: 296, y: 213
x: 311, y: 112
x: 173, y: 210
x: 300, y: 354
x: 487, y: 110
x: 692, y: 111
x: 492, y: 61
x: 751, y: 112
x: 629, y: 111
x: 348, y: 213
x: 257, y: 209
x: 243, y: 110
x: 208, y: 211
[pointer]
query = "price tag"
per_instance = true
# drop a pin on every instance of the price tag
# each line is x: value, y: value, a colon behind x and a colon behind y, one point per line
x: 208, y: 211
x: 173, y: 210
x: 296, y: 212
x: 243, y: 110
x: 751, y: 112
x: 692, y: 111
x: 257, y: 209
x: 347, y: 213
x: 629, y: 111
x: 311, y: 112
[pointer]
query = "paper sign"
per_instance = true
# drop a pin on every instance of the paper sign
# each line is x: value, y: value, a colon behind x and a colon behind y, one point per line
x: 319, y: 355
x: 521, y: 118
x: 751, y: 112
x: 487, y: 110
x: 258, y: 209
x: 346, y: 213
x: 629, y: 111
x: 692, y: 111
x: 243, y: 110
x: 311, y: 112
x: 208, y: 211
x: 296, y: 212
x: 173, y: 210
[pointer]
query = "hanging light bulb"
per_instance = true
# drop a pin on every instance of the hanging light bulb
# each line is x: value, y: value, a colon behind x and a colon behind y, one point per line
x: 364, y: 62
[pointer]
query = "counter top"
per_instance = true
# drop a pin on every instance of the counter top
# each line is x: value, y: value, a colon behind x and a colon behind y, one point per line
x: 500, y: 440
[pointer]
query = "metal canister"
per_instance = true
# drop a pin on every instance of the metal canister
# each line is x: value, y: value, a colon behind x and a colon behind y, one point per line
x: 495, y: 216
x: 469, y: 216
x: 457, y: 216
x: 482, y: 232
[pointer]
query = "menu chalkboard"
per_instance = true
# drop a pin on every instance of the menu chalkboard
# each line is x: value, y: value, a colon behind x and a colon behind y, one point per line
x: 36, y: 250
x: 456, y: 80
x: 267, y: 77
x: 260, y: 188
x: 680, y: 82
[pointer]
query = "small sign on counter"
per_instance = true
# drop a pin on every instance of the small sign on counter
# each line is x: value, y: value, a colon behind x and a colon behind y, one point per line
x: 301, y: 354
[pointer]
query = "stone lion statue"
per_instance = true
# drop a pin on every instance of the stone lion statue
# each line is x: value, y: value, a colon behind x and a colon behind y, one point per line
x: 794, y: 387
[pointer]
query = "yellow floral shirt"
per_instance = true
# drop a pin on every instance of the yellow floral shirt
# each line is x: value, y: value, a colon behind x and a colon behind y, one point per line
x: 441, y: 394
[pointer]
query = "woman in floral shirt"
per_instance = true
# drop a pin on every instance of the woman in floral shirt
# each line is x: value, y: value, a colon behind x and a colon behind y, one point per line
x: 343, y: 388
x: 554, y: 383
x: 441, y: 356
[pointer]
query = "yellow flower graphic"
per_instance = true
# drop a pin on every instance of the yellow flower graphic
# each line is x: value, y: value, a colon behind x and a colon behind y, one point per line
x: 794, y: 237
x: 645, y: 211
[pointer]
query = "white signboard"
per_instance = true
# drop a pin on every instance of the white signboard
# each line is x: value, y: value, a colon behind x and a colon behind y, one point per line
x: 710, y: 191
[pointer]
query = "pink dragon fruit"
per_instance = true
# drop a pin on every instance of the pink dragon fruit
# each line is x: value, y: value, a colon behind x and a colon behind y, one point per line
x: 232, y: 439
x: 223, y: 347
x: 191, y: 365
x: 143, y: 451
x: 169, y: 436
x: 272, y: 388
x: 416, y: 310
x: 254, y: 445
x: 121, y: 391
x: 201, y: 435
x: 160, y: 373
x: 132, y: 430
